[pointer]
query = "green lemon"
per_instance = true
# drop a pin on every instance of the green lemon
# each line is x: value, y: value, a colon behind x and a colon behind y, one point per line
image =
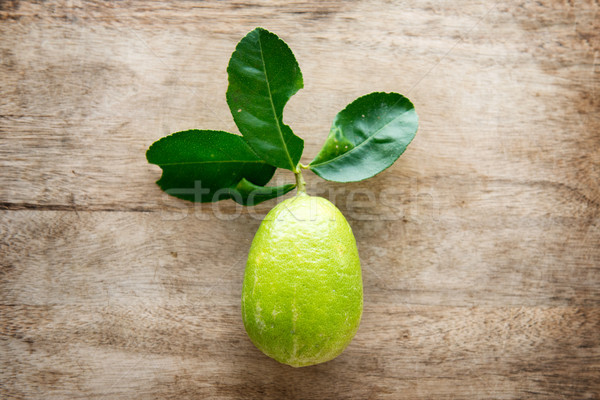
x: 302, y: 296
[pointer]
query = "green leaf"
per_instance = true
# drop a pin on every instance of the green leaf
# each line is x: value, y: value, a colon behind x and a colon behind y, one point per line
x: 249, y: 194
x: 205, y: 166
x: 367, y: 137
x: 263, y: 76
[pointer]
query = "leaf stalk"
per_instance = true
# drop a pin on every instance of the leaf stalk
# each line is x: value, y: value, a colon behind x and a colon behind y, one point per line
x: 300, y: 183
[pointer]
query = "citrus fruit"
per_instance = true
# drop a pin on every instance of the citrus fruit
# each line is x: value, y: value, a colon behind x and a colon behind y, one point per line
x: 302, y: 296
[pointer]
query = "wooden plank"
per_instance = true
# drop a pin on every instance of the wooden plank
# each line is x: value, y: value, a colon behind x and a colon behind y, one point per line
x: 100, y: 257
x: 178, y: 349
x: 82, y: 105
x: 107, y: 304
x: 480, y: 247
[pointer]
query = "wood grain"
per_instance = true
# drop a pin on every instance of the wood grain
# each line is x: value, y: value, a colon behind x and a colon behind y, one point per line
x: 480, y: 246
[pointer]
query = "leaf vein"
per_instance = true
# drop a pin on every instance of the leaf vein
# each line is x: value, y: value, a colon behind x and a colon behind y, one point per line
x: 277, y: 122
x: 360, y: 144
x: 213, y: 162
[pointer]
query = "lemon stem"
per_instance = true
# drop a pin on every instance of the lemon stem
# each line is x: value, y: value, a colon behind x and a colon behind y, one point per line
x: 300, y: 184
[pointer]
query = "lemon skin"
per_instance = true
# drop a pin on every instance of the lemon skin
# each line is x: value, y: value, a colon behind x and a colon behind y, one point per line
x: 302, y: 296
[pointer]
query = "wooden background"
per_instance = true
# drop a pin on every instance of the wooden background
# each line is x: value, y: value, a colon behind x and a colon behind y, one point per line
x: 480, y: 246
